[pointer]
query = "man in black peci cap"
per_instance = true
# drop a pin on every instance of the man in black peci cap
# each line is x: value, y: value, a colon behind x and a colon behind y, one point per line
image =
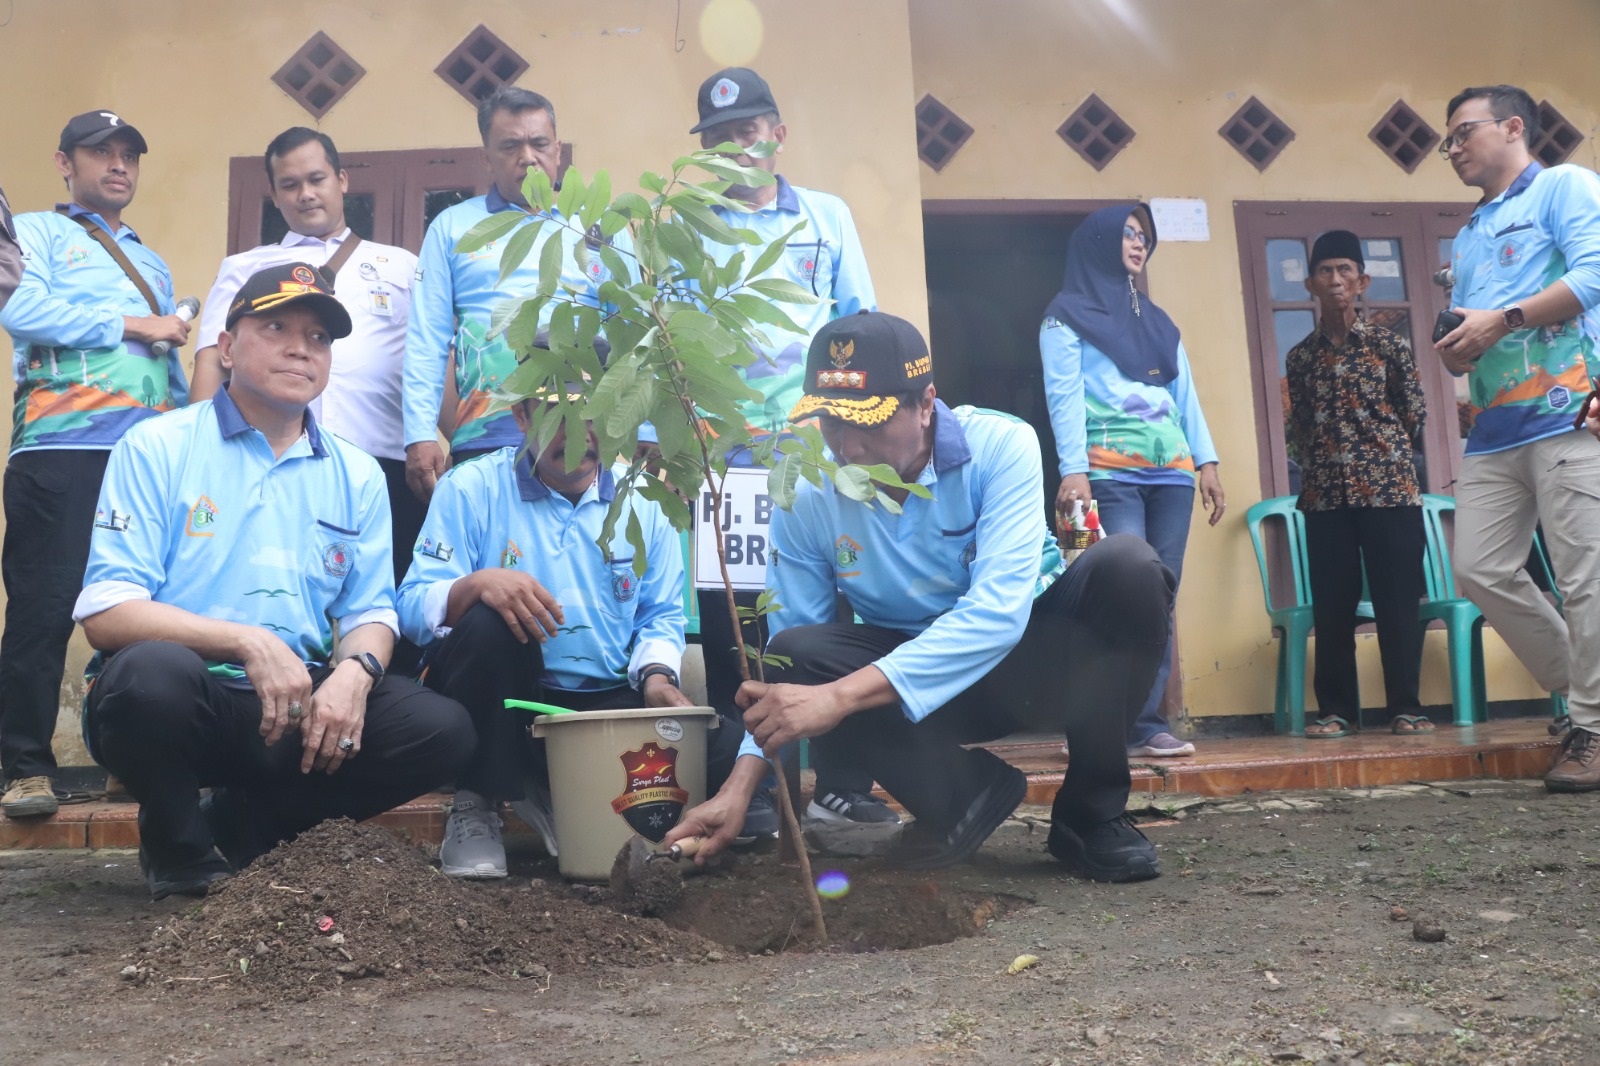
x: 92, y: 300
x: 233, y: 539
x: 1355, y: 409
x: 971, y: 627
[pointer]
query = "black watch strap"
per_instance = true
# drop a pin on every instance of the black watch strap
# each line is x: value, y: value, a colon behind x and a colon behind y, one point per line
x: 656, y: 668
x: 369, y: 662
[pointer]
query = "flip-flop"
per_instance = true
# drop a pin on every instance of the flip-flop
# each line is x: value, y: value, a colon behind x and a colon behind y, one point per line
x: 1331, y: 719
x: 1406, y: 724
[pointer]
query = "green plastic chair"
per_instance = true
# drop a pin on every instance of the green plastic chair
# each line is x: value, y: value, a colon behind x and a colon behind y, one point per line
x: 691, y: 602
x: 1462, y: 620
x: 1293, y: 620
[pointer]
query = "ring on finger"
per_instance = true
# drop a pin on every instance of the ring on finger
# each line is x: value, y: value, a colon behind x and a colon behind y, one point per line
x: 346, y: 744
x: 295, y: 710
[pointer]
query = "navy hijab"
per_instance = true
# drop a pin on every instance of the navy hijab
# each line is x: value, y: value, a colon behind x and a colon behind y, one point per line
x: 1095, y: 299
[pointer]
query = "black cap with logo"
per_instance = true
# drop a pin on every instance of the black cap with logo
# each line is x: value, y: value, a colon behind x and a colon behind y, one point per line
x: 92, y: 127
x: 858, y: 367
x: 275, y: 287
x: 732, y: 94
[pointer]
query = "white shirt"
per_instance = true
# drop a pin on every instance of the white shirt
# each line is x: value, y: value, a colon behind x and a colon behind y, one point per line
x: 362, y: 400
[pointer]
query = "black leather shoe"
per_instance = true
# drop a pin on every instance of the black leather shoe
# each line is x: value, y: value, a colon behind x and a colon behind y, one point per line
x: 1113, y: 851
x: 230, y: 829
x: 194, y: 879
x: 919, y: 849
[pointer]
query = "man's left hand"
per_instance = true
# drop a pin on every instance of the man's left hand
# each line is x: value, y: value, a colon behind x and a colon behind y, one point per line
x: 1461, y: 347
x: 778, y: 714
x: 659, y: 692
x: 338, y: 711
x: 1212, y: 497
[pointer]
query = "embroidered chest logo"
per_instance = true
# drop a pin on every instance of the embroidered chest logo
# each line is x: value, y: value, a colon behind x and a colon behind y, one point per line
x: 512, y: 556
x: 846, y: 553
x: 652, y: 800
x: 77, y: 256
x: 202, y: 516
x: 113, y: 522
x: 336, y: 558
x: 803, y: 261
x: 624, y: 585
x: 434, y: 549
x: 1510, y: 254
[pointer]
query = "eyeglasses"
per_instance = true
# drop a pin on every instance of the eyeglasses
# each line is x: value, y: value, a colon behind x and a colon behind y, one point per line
x: 1459, y: 137
x: 1131, y: 234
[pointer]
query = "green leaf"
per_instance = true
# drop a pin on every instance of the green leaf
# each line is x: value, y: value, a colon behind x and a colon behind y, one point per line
x: 518, y: 247
x: 763, y: 311
x: 672, y: 505
x: 854, y: 483
x: 597, y: 200
x: 524, y: 328
x: 636, y: 538
x: 486, y: 231
x: 633, y: 406
x: 577, y: 433
x: 784, y: 290
x: 679, y: 241
x: 616, y: 264
x: 632, y: 206
x: 537, y: 191
x: 765, y: 604
x: 673, y: 432
x: 550, y: 266
x: 572, y: 192
x: 782, y: 481
x: 652, y: 181
x: 705, y: 222
x: 773, y: 252
x: 612, y: 223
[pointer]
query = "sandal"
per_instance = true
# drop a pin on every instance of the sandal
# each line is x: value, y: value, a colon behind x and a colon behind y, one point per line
x: 1406, y: 724
x: 1341, y: 728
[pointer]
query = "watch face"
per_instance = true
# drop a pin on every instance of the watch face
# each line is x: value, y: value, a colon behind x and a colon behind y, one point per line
x: 1514, y: 317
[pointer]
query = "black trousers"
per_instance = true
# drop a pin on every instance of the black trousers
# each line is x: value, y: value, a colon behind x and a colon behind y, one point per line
x: 50, y: 500
x: 167, y: 727
x: 481, y: 665
x: 406, y: 513
x: 1084, y: 666
x: 1390, y: 541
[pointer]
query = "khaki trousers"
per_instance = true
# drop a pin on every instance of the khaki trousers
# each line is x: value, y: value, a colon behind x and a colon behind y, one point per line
x: 1556, y: 482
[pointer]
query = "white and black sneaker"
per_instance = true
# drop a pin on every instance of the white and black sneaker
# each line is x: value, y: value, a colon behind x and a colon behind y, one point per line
x: 857, y: 807
x: 472, y: 848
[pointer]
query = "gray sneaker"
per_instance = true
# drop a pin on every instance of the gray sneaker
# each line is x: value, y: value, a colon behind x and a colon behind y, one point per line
x: 472, y: 848
x: 534, y: 808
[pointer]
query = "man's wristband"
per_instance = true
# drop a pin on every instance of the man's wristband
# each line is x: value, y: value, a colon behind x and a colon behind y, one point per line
x: 656, y: 668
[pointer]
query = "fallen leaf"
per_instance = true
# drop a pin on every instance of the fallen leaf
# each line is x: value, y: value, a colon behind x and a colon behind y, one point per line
x: 1022, y: 962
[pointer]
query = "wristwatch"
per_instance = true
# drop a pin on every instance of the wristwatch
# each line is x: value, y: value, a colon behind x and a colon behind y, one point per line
x: 1513, y: 317
x: 656, y: 668
x: 369, y: 662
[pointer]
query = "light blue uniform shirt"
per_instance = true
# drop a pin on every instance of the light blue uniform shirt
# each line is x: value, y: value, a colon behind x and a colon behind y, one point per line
x: 494, y: 512
x: 1544, y: 228
x: 80, y: 383
x: 824, y: 258
x: 196, y: 512
x: 452, y: 303
x: 1109, y: 426
x: 959, y: 572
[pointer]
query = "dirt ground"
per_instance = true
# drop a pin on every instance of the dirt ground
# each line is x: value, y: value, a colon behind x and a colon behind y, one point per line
x: 1270, y: 938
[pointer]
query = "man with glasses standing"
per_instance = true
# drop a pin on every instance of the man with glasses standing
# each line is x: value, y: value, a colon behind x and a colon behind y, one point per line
x: 1527, y: 267
x: 824, y: 257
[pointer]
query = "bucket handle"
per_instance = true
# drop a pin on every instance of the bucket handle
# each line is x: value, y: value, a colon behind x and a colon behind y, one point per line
x: 537, y: 708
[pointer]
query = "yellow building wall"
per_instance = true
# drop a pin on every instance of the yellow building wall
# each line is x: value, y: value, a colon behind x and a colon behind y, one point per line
x: 193, y: 76
x: 1176, y: 72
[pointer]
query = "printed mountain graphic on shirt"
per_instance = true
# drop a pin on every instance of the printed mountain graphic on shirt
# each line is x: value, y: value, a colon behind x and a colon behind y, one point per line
x: 482, y: 366
x: 1136, y: 436
x: 75, y: 397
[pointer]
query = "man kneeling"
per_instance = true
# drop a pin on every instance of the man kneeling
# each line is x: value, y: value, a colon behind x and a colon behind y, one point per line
x: 971, y: 630
x: 511, y: 598
x: 230, y: 539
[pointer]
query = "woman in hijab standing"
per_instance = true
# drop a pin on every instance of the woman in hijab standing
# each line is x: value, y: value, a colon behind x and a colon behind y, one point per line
x: 1127, y: 422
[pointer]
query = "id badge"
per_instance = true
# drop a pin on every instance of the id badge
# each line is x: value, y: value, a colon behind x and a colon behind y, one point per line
x: 381, y: 303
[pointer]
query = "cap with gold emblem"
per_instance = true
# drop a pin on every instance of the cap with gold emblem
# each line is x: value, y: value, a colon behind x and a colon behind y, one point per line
x: 858, y: 367
x: 275, y: 287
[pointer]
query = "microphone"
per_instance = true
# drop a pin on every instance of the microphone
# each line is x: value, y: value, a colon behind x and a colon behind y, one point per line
x: 187, y: 308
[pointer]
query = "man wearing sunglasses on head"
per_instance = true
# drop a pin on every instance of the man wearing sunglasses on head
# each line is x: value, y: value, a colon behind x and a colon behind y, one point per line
x: 1527, y: 268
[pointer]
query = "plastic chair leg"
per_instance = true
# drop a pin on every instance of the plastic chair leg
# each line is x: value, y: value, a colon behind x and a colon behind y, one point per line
x: 1294, y: 676
x: 1467, y: 687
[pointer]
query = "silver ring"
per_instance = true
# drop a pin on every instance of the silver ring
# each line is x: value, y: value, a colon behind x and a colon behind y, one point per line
x: 346, y: 744
x: 295, y: 711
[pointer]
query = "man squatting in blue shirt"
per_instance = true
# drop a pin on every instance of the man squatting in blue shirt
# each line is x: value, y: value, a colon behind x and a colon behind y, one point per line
x: 971, y: 630
x: 511, y: 597
x: 230, y: 537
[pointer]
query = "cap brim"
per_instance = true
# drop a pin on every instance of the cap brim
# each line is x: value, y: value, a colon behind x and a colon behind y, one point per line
x: 860, y: 410
x: 330, y: 310
x: 732, y: 114
x: 139, y: 144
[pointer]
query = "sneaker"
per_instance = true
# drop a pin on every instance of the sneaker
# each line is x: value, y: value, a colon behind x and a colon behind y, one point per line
x: 1577, y: 766
x: 760, y: 818
x: 472, y: 848
x: 195, y: 879
x: 1160, y: 746
x: 851, y: 807
x: 922, y: 849
x: 536, y: 810
x: 29, y: 797
x: 1113, y: 851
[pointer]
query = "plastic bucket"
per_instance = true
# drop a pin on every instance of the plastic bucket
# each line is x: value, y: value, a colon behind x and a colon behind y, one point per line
x: 616, y: 773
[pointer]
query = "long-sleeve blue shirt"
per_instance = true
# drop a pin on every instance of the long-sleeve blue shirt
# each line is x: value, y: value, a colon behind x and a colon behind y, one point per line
x: 1109, y: 426
x: 80, y: 382
x: 452, y: 303
x: 959, y: 572
x: 1544, y: 228
x: 495, y: 512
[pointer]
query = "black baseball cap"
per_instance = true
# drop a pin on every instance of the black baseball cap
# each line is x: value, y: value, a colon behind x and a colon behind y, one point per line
x: 858, y: 366
x: 734, y: 93
x: 92, y: 127
x: 272, y: 288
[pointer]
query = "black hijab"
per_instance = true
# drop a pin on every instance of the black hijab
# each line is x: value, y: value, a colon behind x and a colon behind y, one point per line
x: 1096, y: 300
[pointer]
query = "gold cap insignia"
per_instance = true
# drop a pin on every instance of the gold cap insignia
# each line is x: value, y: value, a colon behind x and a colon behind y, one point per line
x: 841, y: 352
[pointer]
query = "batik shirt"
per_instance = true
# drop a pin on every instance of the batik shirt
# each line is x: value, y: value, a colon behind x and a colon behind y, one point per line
x: 80, y: 382
x: 1354, y: 410
x: 1544, y: 228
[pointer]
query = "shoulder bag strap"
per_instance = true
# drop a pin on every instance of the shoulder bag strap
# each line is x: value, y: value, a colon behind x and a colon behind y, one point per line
x: 336, y: 263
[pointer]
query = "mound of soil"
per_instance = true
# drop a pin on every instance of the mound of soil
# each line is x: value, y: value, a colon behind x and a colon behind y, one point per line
x: 347, y: 902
